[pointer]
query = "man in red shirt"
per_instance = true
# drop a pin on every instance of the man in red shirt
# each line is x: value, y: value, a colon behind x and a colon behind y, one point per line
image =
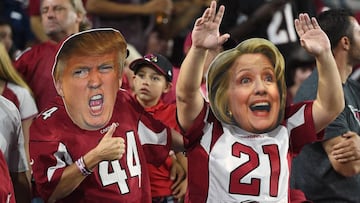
x: 60, y: 18
x: 90, y: 144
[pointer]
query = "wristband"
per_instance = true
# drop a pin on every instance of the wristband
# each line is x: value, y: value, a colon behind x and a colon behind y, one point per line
x: 81, y: 166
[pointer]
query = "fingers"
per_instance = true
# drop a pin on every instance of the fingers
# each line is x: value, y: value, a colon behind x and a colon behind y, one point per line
x: 206, y: 15
x: 220, y: 14
x: 298, y: 27
x: 210, y: 14
x: 348, y: 149
x: 177, y: 178
x: 349, y: 134
x: 307, y: 25
x: 121, y: 147
x: 315, y: 23
x: 116, y: 148
x: 351, y: 139
x: 343, y: 155
x: 223, y: 38
x: 176, y: 183
x: 178, y: 192
x: 304, y: 24
x: 111, y: 148
x: 345, y: 159
x: 177, y: 174
x: 212, y: 11
x: 111, y: 131
x: 198, y: 22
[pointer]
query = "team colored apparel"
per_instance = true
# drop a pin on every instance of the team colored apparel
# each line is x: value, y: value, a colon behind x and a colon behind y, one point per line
x: 56, y: 142
x: 14, y: 12
x: 11, y: 137
x: 22, y: 99
x: 323, y: 184
x: 7, y: 194
x: 160, y: 175
x: 228, y: 164
x: 165, y: 113
x: 35, y: 65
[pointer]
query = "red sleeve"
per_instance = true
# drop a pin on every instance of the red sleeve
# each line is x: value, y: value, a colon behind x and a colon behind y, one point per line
x: 194, y: 134
x: 47, y: 169
x: 24, y: 62
x: 303, y: 130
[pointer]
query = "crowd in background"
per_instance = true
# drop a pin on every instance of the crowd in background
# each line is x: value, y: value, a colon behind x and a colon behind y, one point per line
x: 33, y: 31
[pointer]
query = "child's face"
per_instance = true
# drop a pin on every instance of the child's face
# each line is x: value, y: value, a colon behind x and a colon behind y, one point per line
x: 6, y: 36
x: 254, y: 98
x: 149, y: 85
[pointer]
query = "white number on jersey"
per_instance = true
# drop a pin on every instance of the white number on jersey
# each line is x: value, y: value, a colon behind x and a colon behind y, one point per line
x: 278, y: 35
x: 47, y: 114
x: 118, y: 175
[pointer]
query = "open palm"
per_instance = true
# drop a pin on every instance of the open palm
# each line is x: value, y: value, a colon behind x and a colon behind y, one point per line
x: 206, y: 29
x: 312, y: 37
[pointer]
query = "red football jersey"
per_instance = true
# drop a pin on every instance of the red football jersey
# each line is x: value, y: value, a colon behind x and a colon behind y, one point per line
x: 56, y: 142
x: 35, y: 65
x: 165, y: 113
x: 6, y: 187
x: 228, y: 164
x: 160, y: 176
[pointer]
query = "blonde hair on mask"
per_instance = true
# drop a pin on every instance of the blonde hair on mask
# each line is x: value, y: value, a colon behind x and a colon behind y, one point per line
x: 219, y: 76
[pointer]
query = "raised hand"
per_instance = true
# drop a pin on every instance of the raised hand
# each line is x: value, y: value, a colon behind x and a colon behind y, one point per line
x: 110, y: 148
x: 206, y: 29
x: 312, y: 37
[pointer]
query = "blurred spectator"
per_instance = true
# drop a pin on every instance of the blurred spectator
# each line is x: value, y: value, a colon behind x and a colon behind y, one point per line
x: 60, y: 18
x: 6, y: 38
x: 180, y: 23
x: 35, y: 20
x: 272, y: 20
x: 181, y: 18
x: 12, y: 145
x: 14, y: 88
x: 133, y: 18
x: 158, y: 43
x: 14, y: 12
x: 127, y: 79
x: 328, y: 170
x: 300, y: 66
